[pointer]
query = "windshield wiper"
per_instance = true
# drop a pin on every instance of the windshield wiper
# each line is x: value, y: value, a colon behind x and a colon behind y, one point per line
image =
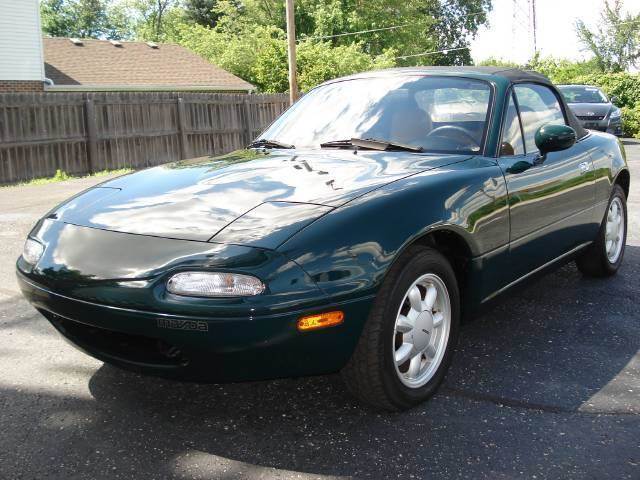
x: 337, y: 144
x: 372, y: 144
x: 267, y: 143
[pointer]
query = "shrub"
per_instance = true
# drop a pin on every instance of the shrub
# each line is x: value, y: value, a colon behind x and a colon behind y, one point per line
x: 259, y: 56
x: 60, y: 176
x: 562, y: 71
x: 319, y: 62
x: 631, y: 121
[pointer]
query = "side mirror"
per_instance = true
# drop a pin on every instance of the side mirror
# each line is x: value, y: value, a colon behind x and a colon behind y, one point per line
x: 554, y: 138
x: 614, y: 100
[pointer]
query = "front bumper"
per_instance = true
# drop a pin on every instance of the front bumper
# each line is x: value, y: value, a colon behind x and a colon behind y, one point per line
x: 614, y: 127
x: 202, y: 348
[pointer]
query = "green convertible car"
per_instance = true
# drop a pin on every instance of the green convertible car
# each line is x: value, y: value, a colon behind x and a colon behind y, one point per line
x: 352, y: 235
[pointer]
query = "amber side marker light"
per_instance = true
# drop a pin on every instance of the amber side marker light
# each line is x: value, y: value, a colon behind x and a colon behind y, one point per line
x: 320, y: 320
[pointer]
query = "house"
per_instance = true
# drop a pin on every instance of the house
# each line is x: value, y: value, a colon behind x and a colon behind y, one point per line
x: 21, y: 66
x: 89, y: 65
x: 30, y: 63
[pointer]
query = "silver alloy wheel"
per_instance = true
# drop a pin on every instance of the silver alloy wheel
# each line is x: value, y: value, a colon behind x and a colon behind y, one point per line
x: 614, y: 233
x: 421, y: 330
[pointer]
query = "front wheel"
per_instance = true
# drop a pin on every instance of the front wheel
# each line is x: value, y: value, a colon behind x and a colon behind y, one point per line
x: 604, y: 256
x: 407, y: 343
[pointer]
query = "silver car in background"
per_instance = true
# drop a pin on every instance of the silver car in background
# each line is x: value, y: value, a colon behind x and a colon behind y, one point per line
x: 593, y: 108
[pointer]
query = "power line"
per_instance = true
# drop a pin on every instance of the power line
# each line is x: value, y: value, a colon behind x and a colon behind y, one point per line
x: 445, y: 51
x: 393, y: 27
x: 322, y: 37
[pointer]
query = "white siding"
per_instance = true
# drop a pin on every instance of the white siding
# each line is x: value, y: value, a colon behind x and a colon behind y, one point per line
x: 20, y: 41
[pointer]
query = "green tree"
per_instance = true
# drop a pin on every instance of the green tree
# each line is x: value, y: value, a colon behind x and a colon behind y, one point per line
x: 74, y: 18
x: 561, y: 70
x: 335, y: 37
x: 202, y: 12
x: 497, y: 62
x: 154, y: 17
x: 259, y: 54
x: 616, y: 41
x: 90, y: 18
x: 455, y: 23
x: 85, y: 19
x: 120, y: 24
x: 56, y: 18
x: 417, y: 26
x: 146, y: 20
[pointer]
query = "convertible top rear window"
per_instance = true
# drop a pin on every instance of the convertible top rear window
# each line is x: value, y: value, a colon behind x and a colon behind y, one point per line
x: 436, y: 114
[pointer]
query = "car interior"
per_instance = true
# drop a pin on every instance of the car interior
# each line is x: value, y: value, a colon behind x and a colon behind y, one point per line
x: 413, y: 117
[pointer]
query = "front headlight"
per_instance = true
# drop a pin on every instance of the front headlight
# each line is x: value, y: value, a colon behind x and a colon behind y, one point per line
x: 214, y: 284
x: 615, y: 114
x: 32, y: 251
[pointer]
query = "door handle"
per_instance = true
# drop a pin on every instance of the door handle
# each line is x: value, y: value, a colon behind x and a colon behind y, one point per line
x: 584, y: 167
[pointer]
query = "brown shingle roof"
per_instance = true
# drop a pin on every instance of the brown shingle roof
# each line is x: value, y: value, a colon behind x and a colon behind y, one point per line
x: 98, y: 64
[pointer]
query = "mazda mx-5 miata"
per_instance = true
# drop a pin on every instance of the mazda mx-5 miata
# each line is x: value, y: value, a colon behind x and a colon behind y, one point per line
x: 351, y: 236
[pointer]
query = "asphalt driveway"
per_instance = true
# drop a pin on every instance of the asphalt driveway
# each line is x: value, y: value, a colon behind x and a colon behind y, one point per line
x: 547, y: 385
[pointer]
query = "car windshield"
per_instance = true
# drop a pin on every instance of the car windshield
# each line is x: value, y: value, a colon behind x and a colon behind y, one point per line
x: 431, y: 114
x: 583, y: 95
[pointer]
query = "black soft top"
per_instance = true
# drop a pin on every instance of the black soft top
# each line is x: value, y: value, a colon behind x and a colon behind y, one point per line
x: 512, y: 74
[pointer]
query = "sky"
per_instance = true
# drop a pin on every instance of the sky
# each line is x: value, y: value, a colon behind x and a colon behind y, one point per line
x: 555, y: 29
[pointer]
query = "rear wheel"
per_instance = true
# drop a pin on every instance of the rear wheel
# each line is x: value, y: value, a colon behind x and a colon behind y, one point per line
x: 407, y: 343
x: 604, y: 257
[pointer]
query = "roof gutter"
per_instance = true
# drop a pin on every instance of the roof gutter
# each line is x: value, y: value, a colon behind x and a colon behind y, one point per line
x: 146, y: 88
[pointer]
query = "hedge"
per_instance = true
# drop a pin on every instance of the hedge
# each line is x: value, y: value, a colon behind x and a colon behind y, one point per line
x: 631, y: 121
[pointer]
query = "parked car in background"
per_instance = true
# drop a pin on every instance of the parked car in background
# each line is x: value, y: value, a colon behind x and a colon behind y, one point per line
x: 350, y: 236
x: 593, y: 108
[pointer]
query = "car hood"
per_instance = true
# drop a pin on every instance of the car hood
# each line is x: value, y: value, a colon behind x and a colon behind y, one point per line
x: 590, y: 109
x: 248, y: 197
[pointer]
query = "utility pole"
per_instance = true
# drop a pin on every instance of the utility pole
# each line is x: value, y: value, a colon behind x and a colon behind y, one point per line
x: 291, y: 40
x: 535, y: 27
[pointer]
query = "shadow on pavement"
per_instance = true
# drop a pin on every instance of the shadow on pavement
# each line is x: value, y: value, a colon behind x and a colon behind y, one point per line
x: 558, y: 345
x: 522, y: 396
x: 552, y: 346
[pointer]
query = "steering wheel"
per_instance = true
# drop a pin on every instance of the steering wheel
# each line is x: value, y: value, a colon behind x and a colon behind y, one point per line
x: 461, y: 133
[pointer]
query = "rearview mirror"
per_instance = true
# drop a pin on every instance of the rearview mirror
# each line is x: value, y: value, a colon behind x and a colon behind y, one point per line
x: 614, y: 100
x: 554, y: 138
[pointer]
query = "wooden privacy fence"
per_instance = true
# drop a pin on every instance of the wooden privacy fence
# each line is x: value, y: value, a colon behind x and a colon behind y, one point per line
x: 87, y: 132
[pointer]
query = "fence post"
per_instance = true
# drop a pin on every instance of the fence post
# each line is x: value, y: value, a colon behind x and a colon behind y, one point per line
x: 92, y: 135
x: 248, y: 127
x: 182, y: 134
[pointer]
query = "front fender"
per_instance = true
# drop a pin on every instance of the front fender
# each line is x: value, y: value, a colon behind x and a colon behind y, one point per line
x: 348, y: 251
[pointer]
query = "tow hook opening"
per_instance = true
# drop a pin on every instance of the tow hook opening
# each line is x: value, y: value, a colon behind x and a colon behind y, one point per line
x: 170, y: 351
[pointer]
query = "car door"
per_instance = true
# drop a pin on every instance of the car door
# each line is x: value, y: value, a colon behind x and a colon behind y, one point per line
x: 551, y: 196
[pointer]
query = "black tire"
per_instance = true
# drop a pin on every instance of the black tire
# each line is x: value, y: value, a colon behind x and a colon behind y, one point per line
x: 370, y: 375
x: 594, y: 262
